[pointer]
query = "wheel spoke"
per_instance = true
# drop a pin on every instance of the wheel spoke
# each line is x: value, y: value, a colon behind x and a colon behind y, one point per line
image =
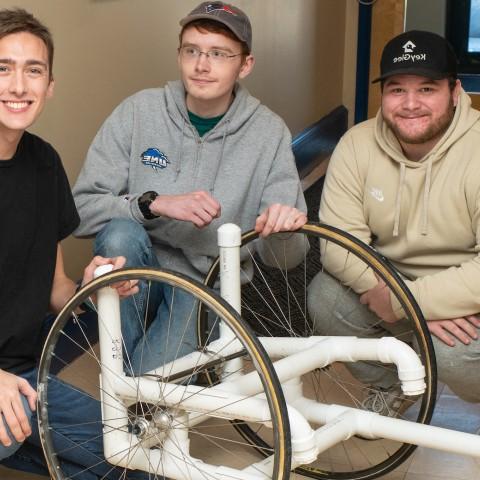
x: 277, y: 302
x: 149, y: 431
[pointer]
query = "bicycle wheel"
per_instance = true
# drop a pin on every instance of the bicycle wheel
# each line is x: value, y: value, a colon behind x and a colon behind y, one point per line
x: 181, y: 430
x: 274, y: 303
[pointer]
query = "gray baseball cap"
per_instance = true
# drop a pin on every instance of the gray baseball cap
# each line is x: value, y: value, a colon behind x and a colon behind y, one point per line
x: 230, y: 15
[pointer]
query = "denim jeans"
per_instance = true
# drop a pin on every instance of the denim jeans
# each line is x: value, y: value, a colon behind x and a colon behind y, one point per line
x: 8, y: 451
x: 67, y: 407
x: 169, y: 323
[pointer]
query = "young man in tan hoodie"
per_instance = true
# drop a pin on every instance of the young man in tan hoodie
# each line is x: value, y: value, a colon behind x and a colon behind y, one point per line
x: 408, y: 183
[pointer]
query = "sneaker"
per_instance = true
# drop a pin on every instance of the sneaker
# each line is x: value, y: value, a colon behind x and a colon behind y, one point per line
x: 387, y: 402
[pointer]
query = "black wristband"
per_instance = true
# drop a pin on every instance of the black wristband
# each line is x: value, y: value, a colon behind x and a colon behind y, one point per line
x: 144, y: 202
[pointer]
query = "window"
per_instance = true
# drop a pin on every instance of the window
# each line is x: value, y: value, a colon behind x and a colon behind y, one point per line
x: 463, y: 32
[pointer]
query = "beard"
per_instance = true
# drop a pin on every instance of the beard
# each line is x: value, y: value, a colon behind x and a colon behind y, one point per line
x: 434, y: 131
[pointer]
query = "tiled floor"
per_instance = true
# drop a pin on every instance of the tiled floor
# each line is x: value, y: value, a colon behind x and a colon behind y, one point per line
x: 425, y: 464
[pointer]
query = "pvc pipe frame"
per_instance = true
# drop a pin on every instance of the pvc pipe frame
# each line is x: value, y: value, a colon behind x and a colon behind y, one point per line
x: 346, y: 421
x: 341, y: 422
x: 297, y: 357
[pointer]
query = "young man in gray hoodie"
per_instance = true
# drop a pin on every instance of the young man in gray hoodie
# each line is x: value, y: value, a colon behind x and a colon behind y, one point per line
x: 170, y: 165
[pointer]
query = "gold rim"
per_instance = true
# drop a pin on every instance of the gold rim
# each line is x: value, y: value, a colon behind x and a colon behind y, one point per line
x: 372, y: 259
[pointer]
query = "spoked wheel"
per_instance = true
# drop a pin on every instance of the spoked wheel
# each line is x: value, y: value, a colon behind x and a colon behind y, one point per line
x: 307, y: 299
x: 166, y: 421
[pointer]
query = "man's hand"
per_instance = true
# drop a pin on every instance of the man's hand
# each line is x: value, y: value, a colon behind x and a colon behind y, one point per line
x: 377, y: 299
x: 279, y: 218
x: 11, y: 390
x: 200, y: 207
x: 463, y: 329
x: 124, y: 289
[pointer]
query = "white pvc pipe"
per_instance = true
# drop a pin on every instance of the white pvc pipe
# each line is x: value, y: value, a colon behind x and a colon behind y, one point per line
x: 218, y: 349
x: 229, y: 241
x: 174, y: 461
x: 178, y: 464
x: 341, y: 422
x: 335, y: 431
x: 425, y: 435
x: 201, y: 402
x: 326, y: 351
x: 117, y: 441
x: 372, y: 425
x: 305, y: 354
x: 193, y: 398
x: 229, y: 238
x: 224, y: 402
x: 302, y: 434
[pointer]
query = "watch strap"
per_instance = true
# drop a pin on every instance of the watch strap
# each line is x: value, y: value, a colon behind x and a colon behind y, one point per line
x: 144, y: 202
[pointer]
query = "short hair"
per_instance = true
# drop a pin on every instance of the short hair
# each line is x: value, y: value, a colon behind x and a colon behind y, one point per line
x: 212, y: 26
x: 452, y: 82
x: 17, y: 20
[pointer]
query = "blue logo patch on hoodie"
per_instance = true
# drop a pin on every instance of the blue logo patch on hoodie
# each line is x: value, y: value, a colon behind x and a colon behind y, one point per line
x: 153, y: 157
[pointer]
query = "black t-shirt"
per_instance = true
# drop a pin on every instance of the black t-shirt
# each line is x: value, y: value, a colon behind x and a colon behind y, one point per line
x: 36, y: 212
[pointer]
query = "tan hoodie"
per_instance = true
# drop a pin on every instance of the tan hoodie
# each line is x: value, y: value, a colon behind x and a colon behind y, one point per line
x: 424, y: 216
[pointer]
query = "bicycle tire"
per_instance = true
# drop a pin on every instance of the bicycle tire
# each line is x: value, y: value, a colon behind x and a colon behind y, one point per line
x: 384, y: 270
x: 253, y: 352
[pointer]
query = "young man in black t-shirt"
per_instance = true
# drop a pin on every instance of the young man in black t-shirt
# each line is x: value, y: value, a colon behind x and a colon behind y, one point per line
x: 36, y: 212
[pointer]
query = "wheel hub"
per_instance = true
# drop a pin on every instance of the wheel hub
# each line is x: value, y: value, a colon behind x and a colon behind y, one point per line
x: 152, y: 427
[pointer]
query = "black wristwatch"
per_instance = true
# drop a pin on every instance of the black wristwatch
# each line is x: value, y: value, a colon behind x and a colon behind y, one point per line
x: 144, y: 202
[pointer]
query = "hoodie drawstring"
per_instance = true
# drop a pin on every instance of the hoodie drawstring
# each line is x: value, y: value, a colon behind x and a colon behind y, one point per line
x: 222, y: 148
x: 178, y: 167
x: 398, y: 200
x: 426, y: 196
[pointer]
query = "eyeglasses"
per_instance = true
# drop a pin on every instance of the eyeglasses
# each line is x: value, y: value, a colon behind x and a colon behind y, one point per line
x: 214, y: 56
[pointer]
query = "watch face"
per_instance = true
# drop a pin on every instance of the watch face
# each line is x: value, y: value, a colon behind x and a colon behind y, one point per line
x: 148, y: 197
x: 144, y: 202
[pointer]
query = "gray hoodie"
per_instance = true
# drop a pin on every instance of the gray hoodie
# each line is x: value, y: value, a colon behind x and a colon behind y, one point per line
x: 148, y: 143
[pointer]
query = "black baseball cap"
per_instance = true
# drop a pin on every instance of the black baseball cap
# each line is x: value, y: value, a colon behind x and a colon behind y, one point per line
x: 418, y: 53
x: 230, y: 15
